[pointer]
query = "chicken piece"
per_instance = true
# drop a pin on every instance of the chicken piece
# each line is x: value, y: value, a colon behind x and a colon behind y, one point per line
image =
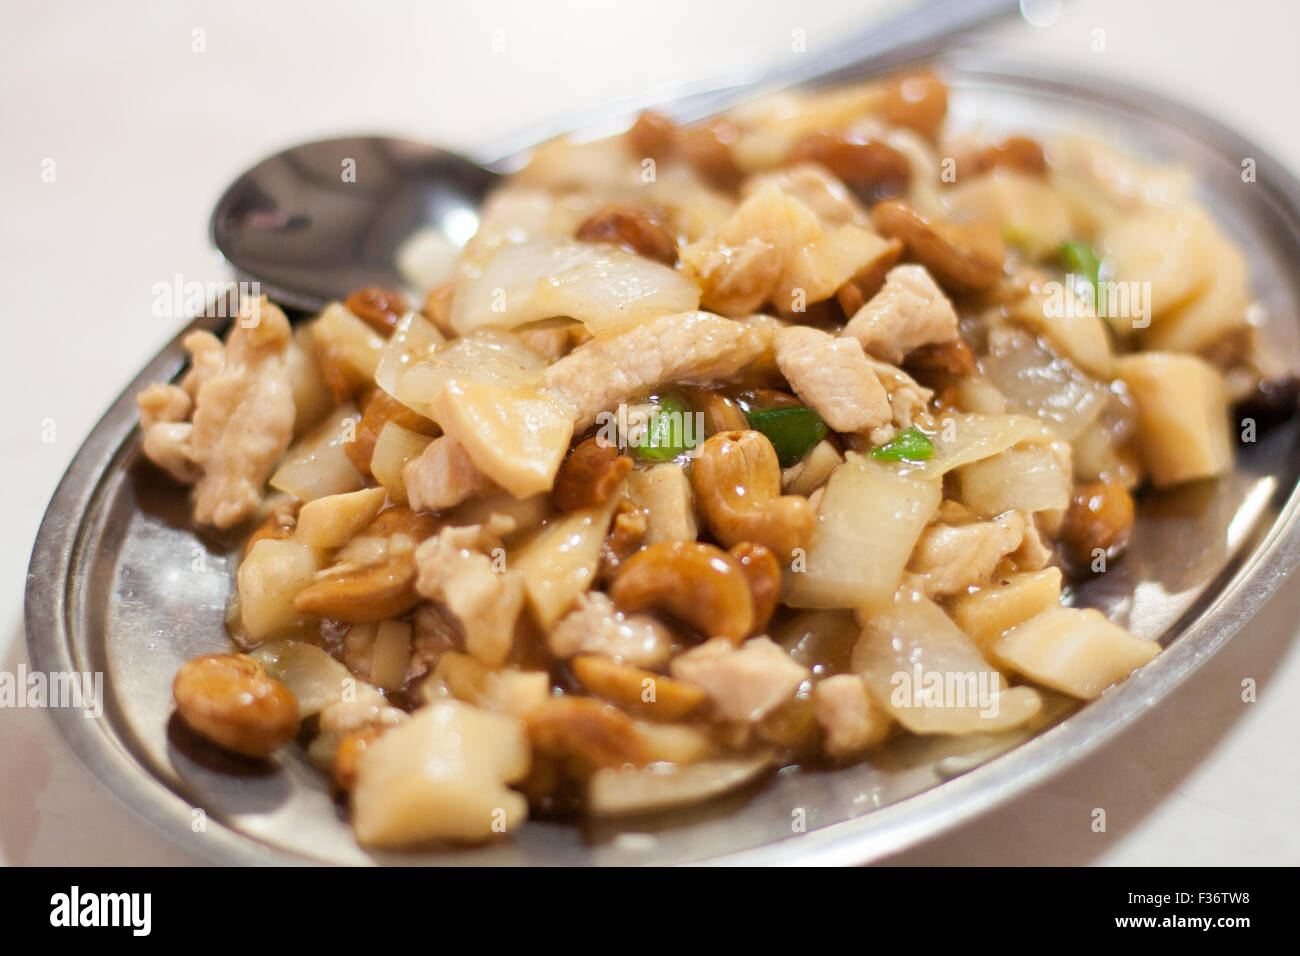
x: 443, y: 476
x: 833, y: 376
x: 207, y: 356
x: 664, y: 494
x: 685, y: 348
x: 502, y: 514
x: 167, y: 445
x: 908, y: 398
x: 596, y: 626
x: 458, y: 570
x: 775, y: 249
x: 850, y: 720
x: 745, y: 683
x: 910, y: 311
x: 163, y: 404
x: 951, y: 558
x: 740, y: 266
x: 243, y: 415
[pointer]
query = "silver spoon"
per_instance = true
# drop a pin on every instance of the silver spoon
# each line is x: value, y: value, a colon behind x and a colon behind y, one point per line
x: 314, y: 222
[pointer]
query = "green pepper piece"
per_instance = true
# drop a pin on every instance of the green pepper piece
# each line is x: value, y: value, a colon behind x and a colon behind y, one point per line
x: 1082, y: 261
x: 665, y: 437
x: 792, y: 431
x: 909, y: 445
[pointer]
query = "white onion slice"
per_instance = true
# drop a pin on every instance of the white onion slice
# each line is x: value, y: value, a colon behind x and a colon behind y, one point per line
x: 931, y: 677
x: 485, y: 356
x: 662, y: 786
x: 1035, y: 382
x: 962, y: 439
x: 1021, y: 479
x: 867, y: 524
x: 318, y: 465
x: 414, y: 339
x: 604, y: 287
x: 314, y: 677
x: 394, y: 447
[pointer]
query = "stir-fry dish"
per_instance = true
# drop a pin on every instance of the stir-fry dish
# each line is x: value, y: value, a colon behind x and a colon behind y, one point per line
x: 719, y: 448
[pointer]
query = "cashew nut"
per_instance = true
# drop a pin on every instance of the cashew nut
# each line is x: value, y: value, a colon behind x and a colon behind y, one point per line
x: 963, y: 257
x: 642, y: 691
x: 870, y: 168
x: 348, y: 753
x: 763, y: 571
x: 232, y: 701
x: 1100, y: 516
x: 697, y: 583
x: 637, y: 229
x: 596, y: 734
x: 722, y: 414
x: 400, y: 519
x: 373, y: 592
x: 593, y: 471
x: 917, y: 100
x: 737, y: 481
x: 381, y: 309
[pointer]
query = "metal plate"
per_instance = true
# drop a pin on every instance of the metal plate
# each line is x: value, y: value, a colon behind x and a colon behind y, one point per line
x: 120, y: 583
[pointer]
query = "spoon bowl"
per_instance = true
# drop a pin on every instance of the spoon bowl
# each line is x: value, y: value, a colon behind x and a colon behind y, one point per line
x: 315, y: 222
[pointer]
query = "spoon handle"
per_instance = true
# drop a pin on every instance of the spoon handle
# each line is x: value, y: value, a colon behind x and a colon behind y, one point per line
x: 920, y: 30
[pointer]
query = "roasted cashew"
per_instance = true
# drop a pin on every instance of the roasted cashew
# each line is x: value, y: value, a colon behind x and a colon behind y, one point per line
x: 737, y: 481
x: 348, y: 754
x: 594, y: 733
x: 400, y: 519
x: 639, y: 230
x: 626, y: 686
x: 870, y: 168
x: 967, y: 258
x: 1100, y: 516
x: 374, y: 592
x: 591, y: 472
x: 697, y: 583
x: 232, y: 701
x: 917, y: 100
x: 763, y: 571
x: 381, y: 309
x: 722, y: 414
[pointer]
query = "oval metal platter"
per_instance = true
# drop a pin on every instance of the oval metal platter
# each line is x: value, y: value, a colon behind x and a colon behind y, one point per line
x: 120, y: 583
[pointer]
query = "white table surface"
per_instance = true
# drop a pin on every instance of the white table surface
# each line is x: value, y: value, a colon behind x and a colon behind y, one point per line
x: 145, y: 132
